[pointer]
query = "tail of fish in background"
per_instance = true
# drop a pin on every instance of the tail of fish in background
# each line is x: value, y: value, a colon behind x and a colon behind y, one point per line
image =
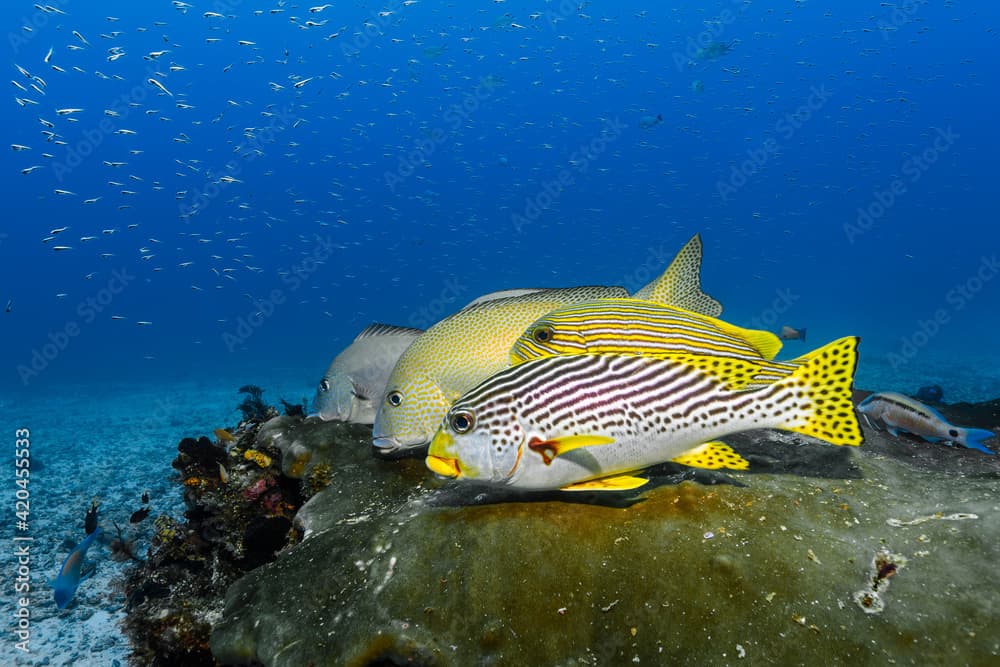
x: 973, y: 439
x: 680, y: 284
x: 820, y: 390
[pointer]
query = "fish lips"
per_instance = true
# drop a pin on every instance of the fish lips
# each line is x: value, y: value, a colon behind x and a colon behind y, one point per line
x: 444, y: 467
x: 388, y: 447
x: 327, y: 415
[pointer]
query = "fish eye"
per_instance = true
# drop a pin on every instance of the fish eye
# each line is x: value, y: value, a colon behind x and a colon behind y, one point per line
x: 324, y: 385
x: 463, y: 421
x: 542, y: 334
x: 394, y: 398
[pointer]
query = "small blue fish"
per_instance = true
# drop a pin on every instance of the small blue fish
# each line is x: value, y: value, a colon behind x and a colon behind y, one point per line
x: 69, y: 578
x: 902, y: 413
x: 930, y: 394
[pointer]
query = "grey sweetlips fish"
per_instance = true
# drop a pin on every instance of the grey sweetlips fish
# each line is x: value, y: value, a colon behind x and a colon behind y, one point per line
x: 355, y: 382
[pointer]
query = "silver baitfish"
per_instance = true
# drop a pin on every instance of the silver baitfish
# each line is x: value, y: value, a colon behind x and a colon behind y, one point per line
x: 353, y: 385
x: 902, y: 413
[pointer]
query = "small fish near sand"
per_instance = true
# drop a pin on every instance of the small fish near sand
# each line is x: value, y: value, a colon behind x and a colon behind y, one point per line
x: 355, y: 382
x: 791, y: 333
x: 139, y: 515
x: 902, y: 413
x: 224, y: 437
x: 90, y: 519
x: 71, y: 573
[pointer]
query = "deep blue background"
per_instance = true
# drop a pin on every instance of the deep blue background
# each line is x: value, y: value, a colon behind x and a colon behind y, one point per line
x: 505, y: 98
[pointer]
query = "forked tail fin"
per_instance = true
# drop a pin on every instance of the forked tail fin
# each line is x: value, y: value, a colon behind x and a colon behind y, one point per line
x: 818, y: 394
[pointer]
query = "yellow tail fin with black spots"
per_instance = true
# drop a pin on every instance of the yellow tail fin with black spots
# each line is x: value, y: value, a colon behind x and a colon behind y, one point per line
x: 817, y: 395
x: 712, y: 456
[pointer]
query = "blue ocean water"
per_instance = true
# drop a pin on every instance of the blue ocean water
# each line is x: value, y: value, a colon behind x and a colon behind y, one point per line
x: 394, y: 161
x: 294, y: 175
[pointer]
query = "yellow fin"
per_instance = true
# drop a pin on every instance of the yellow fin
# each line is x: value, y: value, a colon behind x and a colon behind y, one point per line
x: 549, y: 449
x: 765, y: 342
x: 617, y: 483
x: 822, y: 385
x: 734, y: 374
x: 680, y: 284
x: 712, y: 456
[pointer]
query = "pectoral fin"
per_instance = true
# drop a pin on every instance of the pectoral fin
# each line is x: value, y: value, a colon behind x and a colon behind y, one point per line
x: 712, y: 456
x: 549, y: 449
x: 619, y: 483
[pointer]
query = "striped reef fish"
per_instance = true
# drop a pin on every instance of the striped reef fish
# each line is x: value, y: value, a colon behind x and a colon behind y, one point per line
x: 632, y: 326
x: 459, y: 352
x: 902, y: 413
x: 585, y: 421
x: 353, y: 385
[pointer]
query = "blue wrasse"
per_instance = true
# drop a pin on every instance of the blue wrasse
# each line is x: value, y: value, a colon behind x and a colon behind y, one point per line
x: 902, y: 413
x: 69, y: 578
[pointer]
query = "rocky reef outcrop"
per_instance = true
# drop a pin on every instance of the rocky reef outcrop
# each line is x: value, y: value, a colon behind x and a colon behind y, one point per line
x: 818, y: 554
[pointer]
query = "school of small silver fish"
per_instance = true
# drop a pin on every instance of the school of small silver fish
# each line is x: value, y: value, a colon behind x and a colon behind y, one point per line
x: 177, y: 135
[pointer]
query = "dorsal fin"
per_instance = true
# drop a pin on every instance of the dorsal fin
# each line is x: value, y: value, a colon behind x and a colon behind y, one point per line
x: 501, y: 294
x: 765, y: 342
x: 680, y: 284
x: 378, y: 329
x: 558, y: 294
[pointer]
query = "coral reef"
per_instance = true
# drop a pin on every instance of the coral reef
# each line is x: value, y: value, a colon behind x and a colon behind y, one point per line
x: 253, y: 406
x: 260, y: 458
x: 239, y: 515
x: 384, y: 565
